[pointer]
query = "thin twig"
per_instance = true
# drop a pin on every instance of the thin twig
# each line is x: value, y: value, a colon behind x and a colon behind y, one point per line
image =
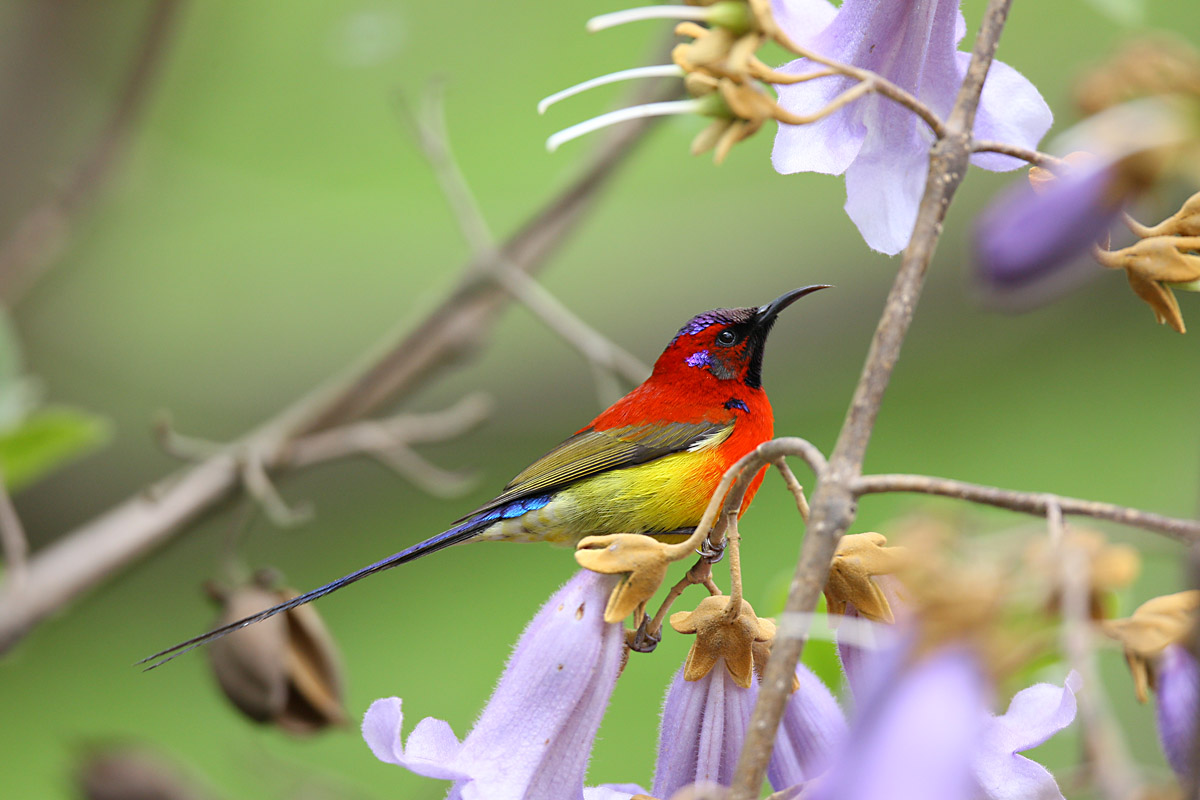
x: 877, y: 83
x: 12, y: 538
x: 833, y: 502
x: 1024, y: 153
x: 39, y: 236
x: 700, y: 574
x: 429, y: 128
x: 793, y: 486
x: 102, y: 547
x: 1108, y: 757
x: 1184, y: 530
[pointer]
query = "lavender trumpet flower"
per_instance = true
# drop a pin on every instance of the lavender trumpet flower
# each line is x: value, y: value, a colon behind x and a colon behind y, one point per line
x: 882, y: 147
x: 533, y: 740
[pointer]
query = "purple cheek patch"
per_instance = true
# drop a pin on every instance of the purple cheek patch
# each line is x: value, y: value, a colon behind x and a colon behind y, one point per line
x: 699, y: 359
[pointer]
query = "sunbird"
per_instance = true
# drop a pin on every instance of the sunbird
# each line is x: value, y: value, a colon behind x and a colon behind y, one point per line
x: 648, y: 464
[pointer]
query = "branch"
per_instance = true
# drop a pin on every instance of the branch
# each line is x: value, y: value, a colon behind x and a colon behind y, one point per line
x: 1184, y: 530
x: 99, y: 549
x: 607, y: 359
x: 39, y: 235
x: 1035, y: 157
x: 833, y: 503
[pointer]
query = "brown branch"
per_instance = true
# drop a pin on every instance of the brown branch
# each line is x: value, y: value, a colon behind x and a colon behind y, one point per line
x: 1035, y: 157
x: 833, y: 502
x: 39, y: 236
x: 1107, y: 755
x: 1184, y: 530
x: 102, y: 547
x: 13, y: 542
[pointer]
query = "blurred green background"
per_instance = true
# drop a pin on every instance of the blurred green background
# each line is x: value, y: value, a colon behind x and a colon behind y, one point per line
x: 272, y: 219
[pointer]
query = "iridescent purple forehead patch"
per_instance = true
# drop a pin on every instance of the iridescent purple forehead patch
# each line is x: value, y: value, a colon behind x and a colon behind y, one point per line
x: 720, y: 316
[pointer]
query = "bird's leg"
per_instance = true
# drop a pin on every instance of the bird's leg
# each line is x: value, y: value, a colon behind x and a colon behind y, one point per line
x: 711, y: 552
x: 645, y: 639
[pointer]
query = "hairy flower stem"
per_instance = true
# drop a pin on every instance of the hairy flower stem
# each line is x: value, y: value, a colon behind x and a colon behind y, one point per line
x: 833, y: 504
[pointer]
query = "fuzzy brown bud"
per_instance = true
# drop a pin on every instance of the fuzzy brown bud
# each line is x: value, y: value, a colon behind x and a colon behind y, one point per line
x: 640, y: 560
x: 722, y: 635
x: 1156, y: 623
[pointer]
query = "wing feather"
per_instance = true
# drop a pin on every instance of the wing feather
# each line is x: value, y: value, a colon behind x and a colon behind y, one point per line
x: 590, y: 452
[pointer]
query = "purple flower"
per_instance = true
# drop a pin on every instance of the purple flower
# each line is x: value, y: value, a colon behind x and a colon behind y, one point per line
x: 1178, y: 684
x: 882, y: 147
x: 703, y: 727
x: 1034, y: 715
x: 1024, y: 235
x: 533, y: 739
x: 813, y: 729
x: 916, y: 736
x: 1026, y: 240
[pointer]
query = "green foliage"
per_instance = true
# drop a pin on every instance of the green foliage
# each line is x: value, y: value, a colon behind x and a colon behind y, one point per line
x: 46, y: 440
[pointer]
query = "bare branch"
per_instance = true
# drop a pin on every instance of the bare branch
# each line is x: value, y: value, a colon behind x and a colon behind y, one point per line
x: 12, y: 539
x: 1107, y: 755
x: 429, y: 128
x: 1184, y: 530
x: 1035, y: 157
x: 102, y: 547
x: 38, y: 237
x: 833, y: 502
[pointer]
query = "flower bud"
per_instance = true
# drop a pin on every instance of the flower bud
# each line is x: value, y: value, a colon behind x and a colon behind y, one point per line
x: 284, y: 670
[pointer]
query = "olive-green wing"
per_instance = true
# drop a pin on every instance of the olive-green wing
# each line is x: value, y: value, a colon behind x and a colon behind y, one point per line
x: 590, y: 452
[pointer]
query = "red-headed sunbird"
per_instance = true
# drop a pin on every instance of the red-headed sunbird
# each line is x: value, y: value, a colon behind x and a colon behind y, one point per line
x: 648, y: 464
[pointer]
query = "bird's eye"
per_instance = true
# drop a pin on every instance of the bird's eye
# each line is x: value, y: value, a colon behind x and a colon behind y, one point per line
x: 727, y: 338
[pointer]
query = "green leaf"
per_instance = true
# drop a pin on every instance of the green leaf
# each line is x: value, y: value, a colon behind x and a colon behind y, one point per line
x: 46, y: 440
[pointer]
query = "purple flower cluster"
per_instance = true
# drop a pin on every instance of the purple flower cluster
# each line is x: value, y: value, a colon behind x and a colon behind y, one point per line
x: 921, y: 729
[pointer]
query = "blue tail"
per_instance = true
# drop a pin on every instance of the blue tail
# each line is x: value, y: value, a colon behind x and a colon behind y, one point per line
x: 458, y: 533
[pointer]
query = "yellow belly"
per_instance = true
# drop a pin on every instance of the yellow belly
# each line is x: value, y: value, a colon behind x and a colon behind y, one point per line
x: 666, y: 494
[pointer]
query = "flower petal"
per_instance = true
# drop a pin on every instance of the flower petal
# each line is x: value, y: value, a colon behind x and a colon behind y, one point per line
x: 703, y: 727
x: 432, y: 746
x: 1034, y: 715
x: 828, y: 145
x: 802, y: 20
x: 1178, y: 689
x: 812, y: 730
x: 1010, y: 110
x: 885, y: 183
x: 916, y: 740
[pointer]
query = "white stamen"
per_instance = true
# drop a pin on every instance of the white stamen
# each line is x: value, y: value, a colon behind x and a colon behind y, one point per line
x: 672, y: 107
x: 657, y: 71
x: 616, y: 18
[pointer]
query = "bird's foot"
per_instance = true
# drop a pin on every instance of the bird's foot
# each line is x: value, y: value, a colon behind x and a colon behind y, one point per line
x: 712, y: 553
x: 642, y: 640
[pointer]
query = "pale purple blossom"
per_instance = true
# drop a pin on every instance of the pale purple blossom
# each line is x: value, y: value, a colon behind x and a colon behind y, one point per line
x: 812, y: 731
x: 1024, y: 237
x: 915, y: 737
x: 1034, y: 715
x: 533, y: 739
x: 703, y: 728
x: 1177, y: 680
x: 1029, y: 244
x: 882, y: 147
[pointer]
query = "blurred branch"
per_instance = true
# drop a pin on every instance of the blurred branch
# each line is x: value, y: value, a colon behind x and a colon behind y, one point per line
x: 606, y: 358
x: 1107, y: 757
x: 833, y: 504
x: 1184, y: 530
x: 102, y: 547
x: 38, y: 237
x: 13, y: 541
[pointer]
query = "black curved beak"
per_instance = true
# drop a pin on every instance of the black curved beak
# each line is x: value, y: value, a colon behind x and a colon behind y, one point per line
x: 768, y: 313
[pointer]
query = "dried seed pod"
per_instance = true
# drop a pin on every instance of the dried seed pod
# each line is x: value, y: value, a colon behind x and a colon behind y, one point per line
x: 283, y: 671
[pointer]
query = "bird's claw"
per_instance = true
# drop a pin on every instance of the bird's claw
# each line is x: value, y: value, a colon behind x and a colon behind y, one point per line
x: 643, y: 641
x: 712, y: 553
